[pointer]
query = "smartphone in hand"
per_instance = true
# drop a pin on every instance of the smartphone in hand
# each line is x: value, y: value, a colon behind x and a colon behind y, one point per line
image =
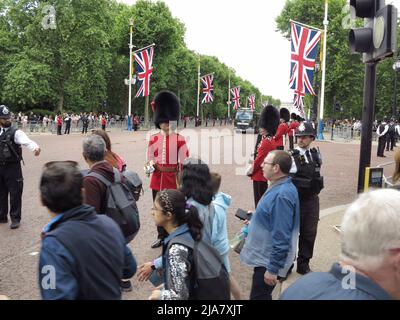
x: 243, y: 214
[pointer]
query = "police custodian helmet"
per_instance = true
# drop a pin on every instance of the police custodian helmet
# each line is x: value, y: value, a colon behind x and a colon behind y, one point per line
x: 305, y: 129
x: 4, y: 112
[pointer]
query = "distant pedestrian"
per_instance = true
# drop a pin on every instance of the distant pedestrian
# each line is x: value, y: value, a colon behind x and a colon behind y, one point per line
x: 382, y: 132
x: 59, y: 124
x: 68, y: 121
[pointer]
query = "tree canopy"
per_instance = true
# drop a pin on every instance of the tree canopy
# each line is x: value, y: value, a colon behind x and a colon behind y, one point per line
x: 84, y: 58
x: 344, y: 72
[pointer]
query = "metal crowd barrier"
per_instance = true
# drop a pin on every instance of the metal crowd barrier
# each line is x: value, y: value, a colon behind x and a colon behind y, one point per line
x: 345, y: 133
x: 38, y: 127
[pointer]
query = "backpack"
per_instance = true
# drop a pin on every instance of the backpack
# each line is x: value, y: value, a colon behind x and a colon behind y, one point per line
x: 210, y: 277
x: 134, y: 183
x: 121, y: 204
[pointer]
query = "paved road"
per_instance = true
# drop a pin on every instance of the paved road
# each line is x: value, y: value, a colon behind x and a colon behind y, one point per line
x: 19, y: 248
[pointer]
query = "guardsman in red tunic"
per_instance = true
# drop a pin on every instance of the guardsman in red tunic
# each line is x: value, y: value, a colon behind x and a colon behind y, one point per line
x: 167, y: 149
x: 269, y: 121
x: 292, y: 129
x: 283, y: 128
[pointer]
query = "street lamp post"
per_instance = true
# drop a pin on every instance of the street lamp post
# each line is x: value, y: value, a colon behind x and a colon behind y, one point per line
x: 396, y: 68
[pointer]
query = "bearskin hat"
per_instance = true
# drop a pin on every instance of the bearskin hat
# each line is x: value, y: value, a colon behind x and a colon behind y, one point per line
x: 166, y: 108
x: 269, y: 119
x: 284, y: 114
x: 293, y: 116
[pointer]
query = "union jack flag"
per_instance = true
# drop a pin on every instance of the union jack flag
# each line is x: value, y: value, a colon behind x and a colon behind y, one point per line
x: 299, y: 103
x: 236, y: 97
x: 252, y: 101
x: 208, y: 88
x: 304, y: 48
x: 143, y: 65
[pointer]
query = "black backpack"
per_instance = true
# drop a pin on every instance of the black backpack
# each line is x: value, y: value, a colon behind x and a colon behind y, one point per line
x: 121, y: 205
x: 210, y: 277
x: 134, y: 183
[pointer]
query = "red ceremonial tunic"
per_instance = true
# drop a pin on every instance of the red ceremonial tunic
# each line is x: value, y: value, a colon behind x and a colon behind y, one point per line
x: 280, y: 132
x: 266, y: 145
x: 292, y: 128
x: 167, y: 152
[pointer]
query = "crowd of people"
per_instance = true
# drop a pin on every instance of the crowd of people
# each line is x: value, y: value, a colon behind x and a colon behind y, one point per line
x: 94, y: 216
x: 64, y: 123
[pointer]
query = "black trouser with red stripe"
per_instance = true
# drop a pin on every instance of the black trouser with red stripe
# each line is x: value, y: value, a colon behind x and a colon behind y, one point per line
x: 291, y: 142
x: 11, y: 184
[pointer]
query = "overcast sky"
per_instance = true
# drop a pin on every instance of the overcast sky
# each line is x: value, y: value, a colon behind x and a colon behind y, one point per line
x: 242, y: 34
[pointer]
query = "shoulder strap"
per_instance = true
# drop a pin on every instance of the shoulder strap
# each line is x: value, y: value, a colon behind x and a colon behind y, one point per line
x: 182, y: 239
x: 100, y: 177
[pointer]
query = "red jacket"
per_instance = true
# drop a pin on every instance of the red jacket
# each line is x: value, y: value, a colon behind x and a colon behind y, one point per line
x: 103, y: 121
x: 175, y: 151
x: 292, y: 128
x: 266, y: 145
x: 59, y: 121
x: 282, y: 130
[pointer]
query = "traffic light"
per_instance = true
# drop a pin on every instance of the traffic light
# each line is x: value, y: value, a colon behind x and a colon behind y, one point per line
x: 378, y: 39
x: 338, y: 107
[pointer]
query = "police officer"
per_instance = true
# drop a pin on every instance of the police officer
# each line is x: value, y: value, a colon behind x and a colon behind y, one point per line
x: 382, y: 132
x: 391, y: 135
x: 306, y: 177
x: 11, y: 180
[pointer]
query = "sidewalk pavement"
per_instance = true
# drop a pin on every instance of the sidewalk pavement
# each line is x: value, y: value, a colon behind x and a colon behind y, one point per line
x: 327, y: 246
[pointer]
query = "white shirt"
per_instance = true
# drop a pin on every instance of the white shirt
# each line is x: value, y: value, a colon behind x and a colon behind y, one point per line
x: 302, y: 151
x: 397, y: 128
x: 22, y: 139
x: 378, y: 132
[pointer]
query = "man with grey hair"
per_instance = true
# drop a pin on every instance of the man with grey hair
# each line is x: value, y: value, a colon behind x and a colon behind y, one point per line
x: 94, y: 148
x: 369, y: 268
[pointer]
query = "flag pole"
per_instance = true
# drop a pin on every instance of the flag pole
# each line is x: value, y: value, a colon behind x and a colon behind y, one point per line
x: 131, y: 21
x: 321, y: 115
x: 229, y: 96
x: 198, y: 87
